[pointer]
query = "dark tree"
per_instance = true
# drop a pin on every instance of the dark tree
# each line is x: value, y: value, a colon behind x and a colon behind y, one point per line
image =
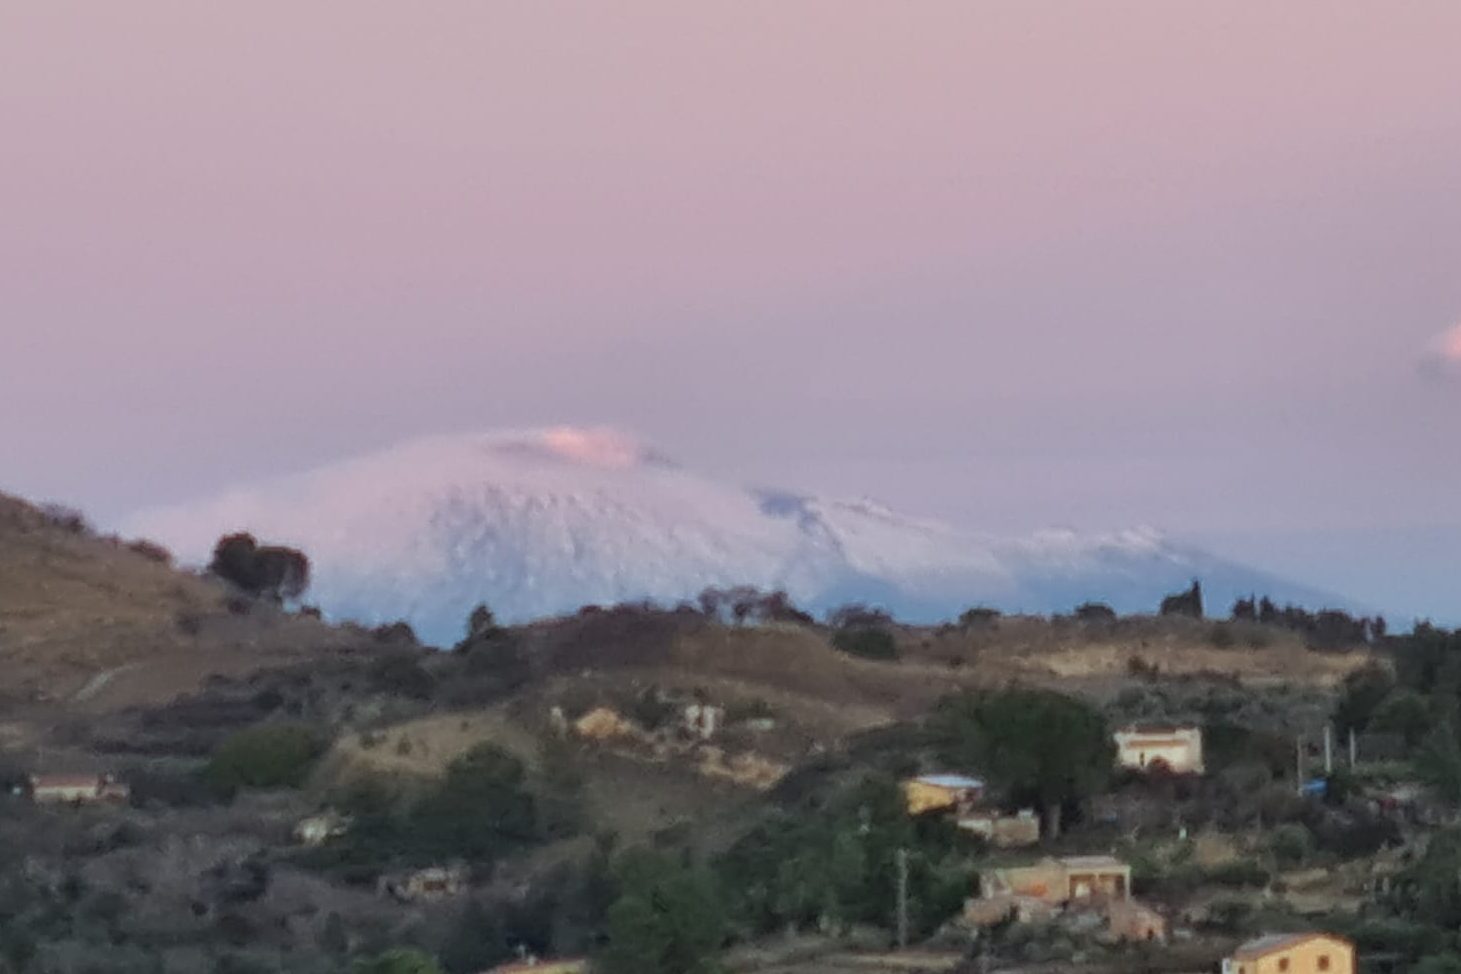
x: 1038, y: 745
x: 1245, y: 610
x: 668, y: 919
x: 857, y: 615
x: 1095, y: 612
x: 272, y: 571
x: 481, y: 622
x: 1364, y: 690
x: 1188, y: 603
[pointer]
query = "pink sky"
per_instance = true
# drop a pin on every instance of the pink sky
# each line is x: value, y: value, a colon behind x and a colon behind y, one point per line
x: 1010, y: 264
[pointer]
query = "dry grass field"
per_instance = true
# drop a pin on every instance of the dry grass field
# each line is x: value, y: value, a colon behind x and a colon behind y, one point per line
x: 93, y: 624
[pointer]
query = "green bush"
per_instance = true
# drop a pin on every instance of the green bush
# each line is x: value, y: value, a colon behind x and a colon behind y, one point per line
x: 269, y: 756
x: 1238, y: 873
x: 402, y: 961
x: 1290, y: 844
x: 868, y: 642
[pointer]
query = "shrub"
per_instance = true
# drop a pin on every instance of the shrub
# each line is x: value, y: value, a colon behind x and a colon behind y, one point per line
x: 1095, y: 612
x: 151, y: 551
x: 1239, y: 873
x: 867, y: 642
x: 979, y: 616
x: 1290, y: 844
x: 401, y: 674
x: 651, y: 709
x: 68, y: 519
x: 402, y: 961
x: 270, y: 756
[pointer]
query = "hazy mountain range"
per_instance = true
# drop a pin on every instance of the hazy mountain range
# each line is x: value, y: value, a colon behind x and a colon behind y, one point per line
x: 542, y: 522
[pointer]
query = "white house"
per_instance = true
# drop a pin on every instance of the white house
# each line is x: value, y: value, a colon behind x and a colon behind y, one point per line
x: 1171, y: 747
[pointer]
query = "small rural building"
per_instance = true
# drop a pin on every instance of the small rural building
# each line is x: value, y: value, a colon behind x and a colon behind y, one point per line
x: 432, y: 883
x: 319, y: 829
x: 602, y: 723
x: 1130, y: 921
x: 77, y: 789
x: 1056, y: 882
x: 1003, y: 831
x: 702, y: 720
x: 941, y: 792
x: 1171, y: 747
x: 1293, y: 953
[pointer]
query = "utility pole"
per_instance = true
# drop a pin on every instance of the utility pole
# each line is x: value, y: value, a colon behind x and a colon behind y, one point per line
x: 1353, y: 751
x: 1328, y: 751
x: 900, y: 860
x: 1299, y: 765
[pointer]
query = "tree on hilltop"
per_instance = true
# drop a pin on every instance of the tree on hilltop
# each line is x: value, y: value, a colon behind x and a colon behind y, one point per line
x: 272, y: 571
x: 1188, y: 603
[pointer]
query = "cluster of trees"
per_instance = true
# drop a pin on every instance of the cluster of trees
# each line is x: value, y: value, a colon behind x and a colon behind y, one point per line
x: 1039, y: 747
x: 1326, y: 629
x: 1188, y: 603
x: 270, y: 756
x: 480, y: 811
x: 1419, y: 703
x: 745, y: 603
x: 860, y: 630
x: 833, y: 865
x: 275, y: 572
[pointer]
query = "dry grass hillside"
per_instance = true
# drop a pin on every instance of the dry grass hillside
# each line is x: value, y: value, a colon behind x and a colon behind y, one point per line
x: 787, y: 695
x: 96, y: 623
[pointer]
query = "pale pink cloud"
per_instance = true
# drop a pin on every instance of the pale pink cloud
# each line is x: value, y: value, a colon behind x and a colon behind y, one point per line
x: 1448, y: 344
x: 1442, y: 358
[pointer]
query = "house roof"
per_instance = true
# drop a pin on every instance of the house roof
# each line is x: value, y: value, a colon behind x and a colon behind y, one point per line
x: 1092, y: 862
x: 66, y: 780
x: 1273, y: 942
x: 958, y: 781
x: 1156, y: 727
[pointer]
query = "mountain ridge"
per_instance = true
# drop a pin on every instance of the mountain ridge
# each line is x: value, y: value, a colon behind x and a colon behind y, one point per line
x: 540, y: 522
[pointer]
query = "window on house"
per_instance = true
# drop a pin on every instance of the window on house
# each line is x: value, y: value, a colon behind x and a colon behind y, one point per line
x: 1323, y: 962
x: 1283, y: 964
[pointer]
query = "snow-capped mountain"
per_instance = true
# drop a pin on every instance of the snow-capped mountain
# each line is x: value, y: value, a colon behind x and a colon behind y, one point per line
x: 543, y: 522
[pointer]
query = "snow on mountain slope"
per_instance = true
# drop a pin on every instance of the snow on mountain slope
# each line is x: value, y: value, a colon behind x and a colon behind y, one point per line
x: 542, y: 522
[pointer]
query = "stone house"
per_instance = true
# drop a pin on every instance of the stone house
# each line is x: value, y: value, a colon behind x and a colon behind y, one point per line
x: 1057, y: 882
x: 1000, y: 830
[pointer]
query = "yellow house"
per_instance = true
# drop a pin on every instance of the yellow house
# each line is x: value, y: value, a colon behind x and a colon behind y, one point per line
x: 1174, y: 747
x: 1293, y: 953
x: 941, y: 792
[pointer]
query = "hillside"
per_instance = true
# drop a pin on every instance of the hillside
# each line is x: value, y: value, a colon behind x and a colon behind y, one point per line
x: 583, y: 723
x: 96, y: 623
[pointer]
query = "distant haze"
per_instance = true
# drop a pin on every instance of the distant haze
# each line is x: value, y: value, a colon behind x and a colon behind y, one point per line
x: 1008, y: 264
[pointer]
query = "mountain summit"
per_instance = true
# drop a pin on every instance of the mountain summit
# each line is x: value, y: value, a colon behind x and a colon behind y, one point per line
x: 542, y: 522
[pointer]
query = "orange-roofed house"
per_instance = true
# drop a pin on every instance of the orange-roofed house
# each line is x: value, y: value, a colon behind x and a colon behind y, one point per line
x: 1293, y: 953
